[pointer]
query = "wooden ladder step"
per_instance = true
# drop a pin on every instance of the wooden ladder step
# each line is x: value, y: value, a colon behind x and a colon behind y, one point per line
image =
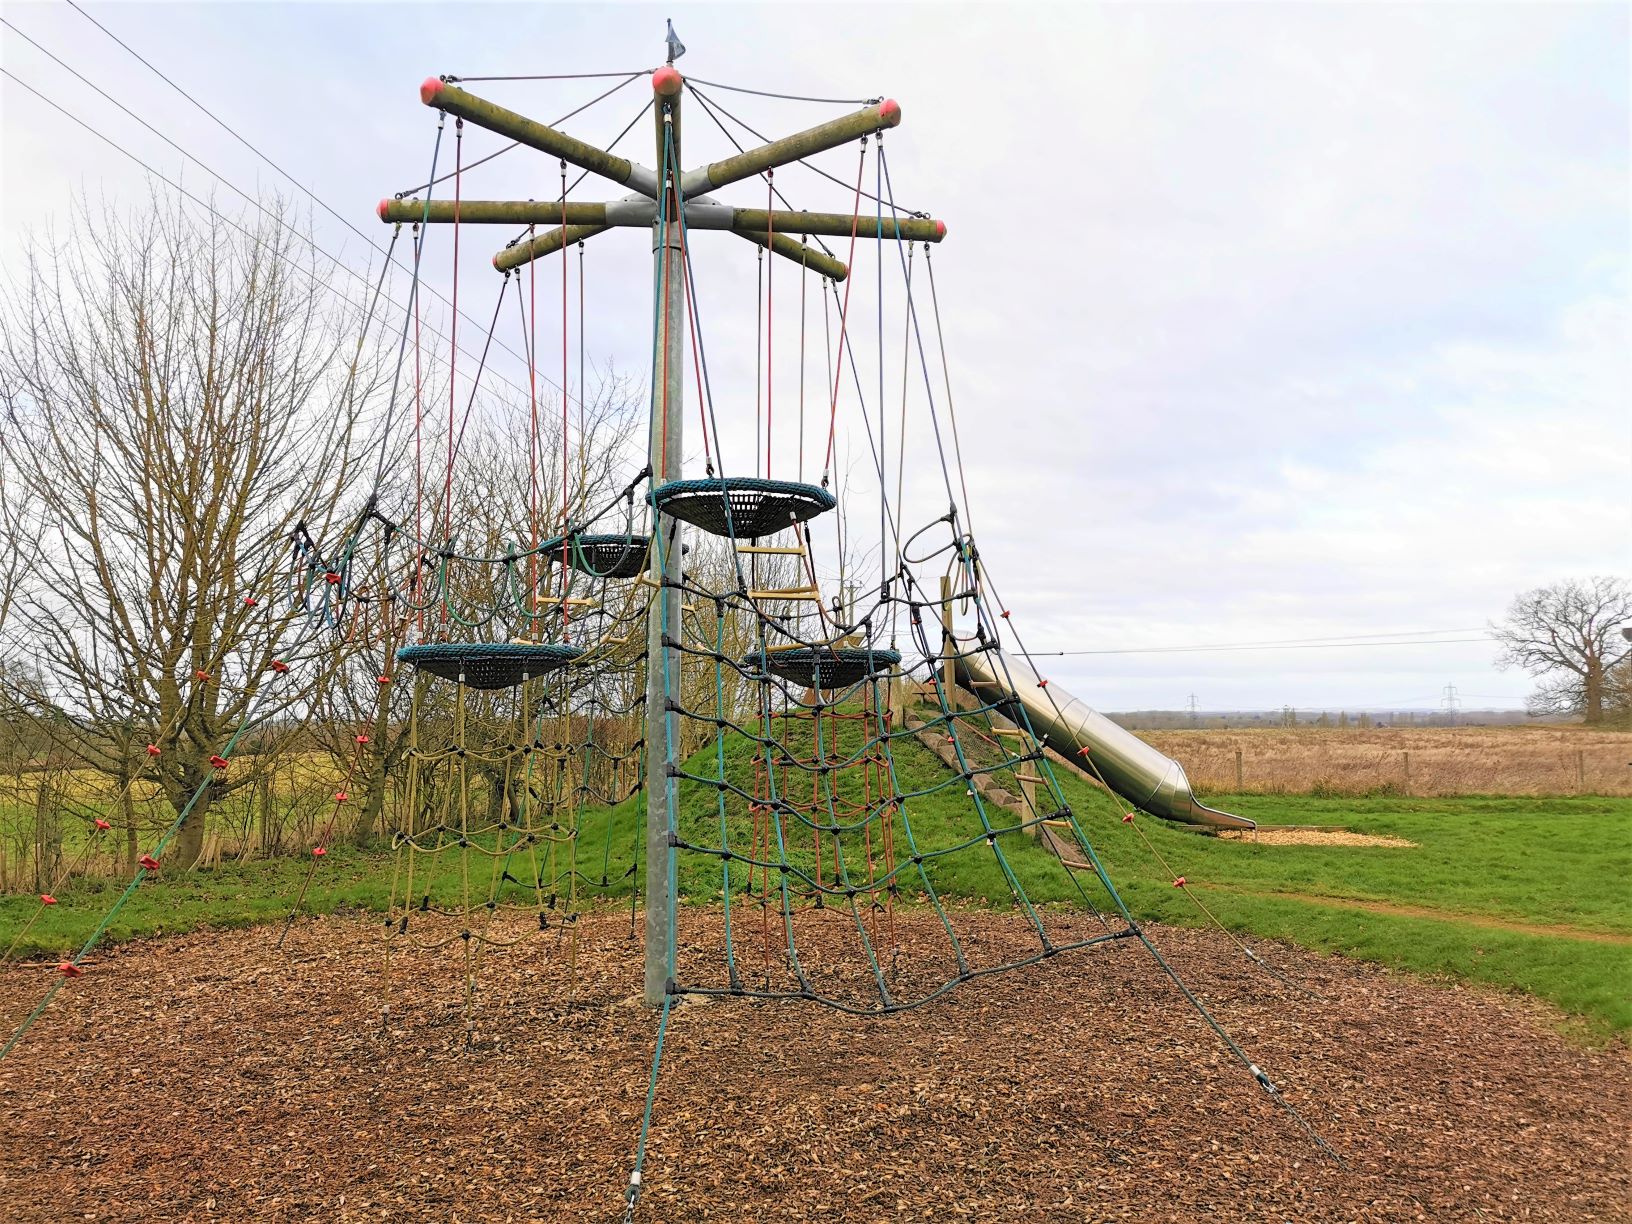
x: 811, y: 594
x: 1057, y: 824
x: 773, y: 550
x: 1027, y: 777
x: 782, y: 647
x: 1010, y: 733
x: 1073, y: 865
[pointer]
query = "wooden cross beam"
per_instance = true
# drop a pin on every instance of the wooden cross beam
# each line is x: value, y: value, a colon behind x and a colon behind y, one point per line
x: 575, y: 221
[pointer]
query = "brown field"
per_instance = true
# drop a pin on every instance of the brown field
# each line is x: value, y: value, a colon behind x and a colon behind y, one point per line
x: 1550, y: 760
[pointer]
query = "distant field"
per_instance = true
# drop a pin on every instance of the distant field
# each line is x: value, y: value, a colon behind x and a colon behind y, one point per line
x: 1549, y: 760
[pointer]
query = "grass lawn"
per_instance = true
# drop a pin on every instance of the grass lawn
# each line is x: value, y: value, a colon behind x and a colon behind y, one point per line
x: 1468, y: 898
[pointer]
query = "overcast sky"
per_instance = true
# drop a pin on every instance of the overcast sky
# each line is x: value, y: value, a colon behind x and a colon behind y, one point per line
x: 1266, y: 322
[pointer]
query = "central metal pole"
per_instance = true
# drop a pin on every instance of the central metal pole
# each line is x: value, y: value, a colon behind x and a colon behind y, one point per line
x: 663, y: 617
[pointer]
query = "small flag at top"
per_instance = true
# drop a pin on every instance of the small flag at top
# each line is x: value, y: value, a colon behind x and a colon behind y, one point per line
x: 676, y: 47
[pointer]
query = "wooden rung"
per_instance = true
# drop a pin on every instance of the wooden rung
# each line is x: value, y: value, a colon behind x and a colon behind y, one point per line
x: 774, y: 550
x: 806, y: 593
x: 1073, y: 865
x: 572, y: 601
x: 1009, y: 733
x: 1025, y: 777
x: 827, y: 645
x: 1056, y: 824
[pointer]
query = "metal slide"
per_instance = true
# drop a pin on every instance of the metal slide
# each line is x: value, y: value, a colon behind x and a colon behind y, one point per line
x: 1132, y: 768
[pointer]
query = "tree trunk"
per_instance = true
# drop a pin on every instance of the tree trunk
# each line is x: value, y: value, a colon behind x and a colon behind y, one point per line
x: 128, y: 804
x: 371, y: 781
x: 189, y: 842
x: 1593, y: 705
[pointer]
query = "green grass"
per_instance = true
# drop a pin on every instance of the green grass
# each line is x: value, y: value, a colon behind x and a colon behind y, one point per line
x: 1477, y: 862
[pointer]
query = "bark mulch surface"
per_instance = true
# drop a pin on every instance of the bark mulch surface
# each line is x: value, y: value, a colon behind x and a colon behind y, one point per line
x: 212, y: 1077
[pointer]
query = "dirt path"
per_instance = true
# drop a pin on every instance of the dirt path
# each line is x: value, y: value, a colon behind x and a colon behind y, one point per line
x: 1483, y: 921
x: 207, y: 1078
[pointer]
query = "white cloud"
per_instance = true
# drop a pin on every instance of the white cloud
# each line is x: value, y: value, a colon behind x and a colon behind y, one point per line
x: 1264, y: 321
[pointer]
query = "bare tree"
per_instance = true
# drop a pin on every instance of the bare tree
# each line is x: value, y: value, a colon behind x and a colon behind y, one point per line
x: 493, y: 503
x: 1568, y: 635
x: 179, y: 394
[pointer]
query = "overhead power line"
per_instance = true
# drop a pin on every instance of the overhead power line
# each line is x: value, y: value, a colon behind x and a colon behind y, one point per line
x: 1417, y: 638
x: 298, y: 185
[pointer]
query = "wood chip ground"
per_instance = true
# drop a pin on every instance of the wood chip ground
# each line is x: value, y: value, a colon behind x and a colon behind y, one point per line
x: 210, y: 1077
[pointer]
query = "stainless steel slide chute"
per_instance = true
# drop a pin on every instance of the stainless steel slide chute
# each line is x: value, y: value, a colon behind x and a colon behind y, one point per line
x: 1132, y: 768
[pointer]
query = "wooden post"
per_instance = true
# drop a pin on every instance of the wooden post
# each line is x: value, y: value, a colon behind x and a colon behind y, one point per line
x: 1580, y: 771
x: 1407, y: 756
x: 948, y: 646
x: 663, y: 617
x: 1239, y: 784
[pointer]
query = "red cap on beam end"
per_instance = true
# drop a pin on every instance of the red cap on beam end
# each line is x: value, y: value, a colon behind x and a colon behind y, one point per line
x: 666, y: 81
x: 940, y: 232
x: 889, y: 112
x: 384, y: 207
x: 429, y: 91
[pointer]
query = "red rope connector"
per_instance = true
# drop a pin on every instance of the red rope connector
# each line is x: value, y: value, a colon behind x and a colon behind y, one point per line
x: 102, y: 824
x: 249, y: 601
x: 47, y: 899
x: 1042, y: 684
x: 69, y: 969
x: 201, y: 674
x: 332, y: 578
x: 279, y: 666
x: 1006, y: 614
x: 1128, y: 819
x: 362, y: 739
x: 341, y: 796
x: 1179, y: 883
x: 219, y: 762
x: 153, y: 750
x: 149, y: 862
x: 1083, y: 751
x: 385, y: 679
x: 318, y: 851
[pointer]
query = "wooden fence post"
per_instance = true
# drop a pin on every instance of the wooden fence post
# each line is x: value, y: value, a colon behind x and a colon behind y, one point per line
x: 1239, y: 785
x: 1407, y: 756
x: 1580, y: 771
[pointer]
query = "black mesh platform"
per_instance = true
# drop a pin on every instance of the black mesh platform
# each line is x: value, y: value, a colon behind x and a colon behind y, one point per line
x: 602, y: 556
x: 825, y: 667
x: 489, y: 665
x: 742, y: 507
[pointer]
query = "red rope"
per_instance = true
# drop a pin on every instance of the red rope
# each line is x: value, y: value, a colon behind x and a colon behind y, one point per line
x: 419, y: 475
x: 453, y: 335
x: 696, y: 356
x: 530, y: 342
x: 770, y: 278
x: 566, y: 461
x: 844, y: 311
x: 565, y: 384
